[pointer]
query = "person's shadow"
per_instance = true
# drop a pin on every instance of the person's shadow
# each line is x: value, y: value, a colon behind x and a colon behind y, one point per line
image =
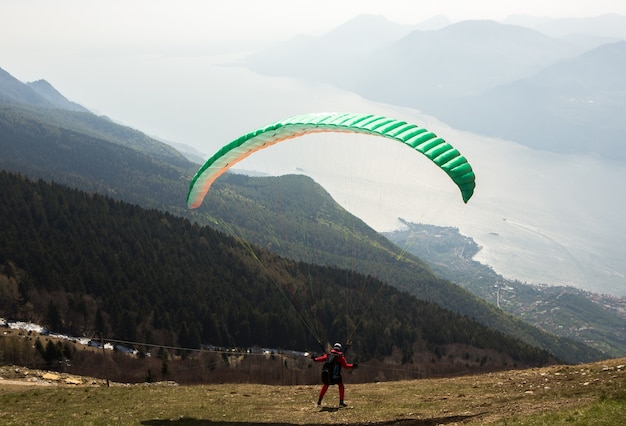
x: 190, y: 421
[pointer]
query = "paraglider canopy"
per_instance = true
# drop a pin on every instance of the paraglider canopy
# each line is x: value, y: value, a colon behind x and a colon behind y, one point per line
x: 444, y: 155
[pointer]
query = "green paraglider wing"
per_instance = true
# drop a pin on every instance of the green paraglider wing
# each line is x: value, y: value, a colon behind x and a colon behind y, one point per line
x: 433, y: 147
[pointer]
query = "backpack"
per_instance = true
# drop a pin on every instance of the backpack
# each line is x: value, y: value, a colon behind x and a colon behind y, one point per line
x: 331, y: 371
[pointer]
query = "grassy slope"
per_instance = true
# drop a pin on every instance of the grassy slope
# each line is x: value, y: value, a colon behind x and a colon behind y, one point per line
x: 583, y: 394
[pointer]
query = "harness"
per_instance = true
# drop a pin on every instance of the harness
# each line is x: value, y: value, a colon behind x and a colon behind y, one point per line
x: 331, y: 371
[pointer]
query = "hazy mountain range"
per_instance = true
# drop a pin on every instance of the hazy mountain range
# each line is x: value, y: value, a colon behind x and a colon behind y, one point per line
x: 559, y: 93
x: 39, y: 93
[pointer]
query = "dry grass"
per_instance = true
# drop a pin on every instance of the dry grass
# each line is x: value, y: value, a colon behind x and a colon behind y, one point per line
x: 584, y: 394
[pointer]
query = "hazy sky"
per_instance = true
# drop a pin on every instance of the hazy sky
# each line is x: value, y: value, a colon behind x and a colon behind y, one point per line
x: 36, y: 24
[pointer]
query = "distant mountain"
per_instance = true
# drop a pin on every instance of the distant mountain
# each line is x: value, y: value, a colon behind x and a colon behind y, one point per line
x: 41, y: 102
x: 55, y: 98
x: 39, y: 93
x: 82, y: 150
x: 14, y: 91
x: 610, y: 25
x: 334, y: 57
x: 427, y: 69
x: 489, y: 78
x: 436, y: 22
x: 422, y: 68
x: 576, y: 105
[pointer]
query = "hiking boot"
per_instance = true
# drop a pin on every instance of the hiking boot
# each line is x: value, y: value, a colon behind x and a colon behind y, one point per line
x: 342, y: 404
x: 319, y: 402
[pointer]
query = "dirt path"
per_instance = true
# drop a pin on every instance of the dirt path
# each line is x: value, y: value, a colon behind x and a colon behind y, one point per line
x: 22, y: 376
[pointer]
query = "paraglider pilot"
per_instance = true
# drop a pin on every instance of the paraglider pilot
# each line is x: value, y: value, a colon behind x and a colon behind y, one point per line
x: 331, y: 372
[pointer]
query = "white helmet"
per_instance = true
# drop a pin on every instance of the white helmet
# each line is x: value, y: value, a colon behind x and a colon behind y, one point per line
x: 337, y: 347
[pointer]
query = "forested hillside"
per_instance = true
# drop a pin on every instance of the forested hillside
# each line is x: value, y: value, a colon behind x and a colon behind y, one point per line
x: 295, y: 217
x: 81, y: 151
x: 85, y: 263
x: 564, y: 311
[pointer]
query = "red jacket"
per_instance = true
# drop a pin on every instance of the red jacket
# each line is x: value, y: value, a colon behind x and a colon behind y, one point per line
x: 340, y: 357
